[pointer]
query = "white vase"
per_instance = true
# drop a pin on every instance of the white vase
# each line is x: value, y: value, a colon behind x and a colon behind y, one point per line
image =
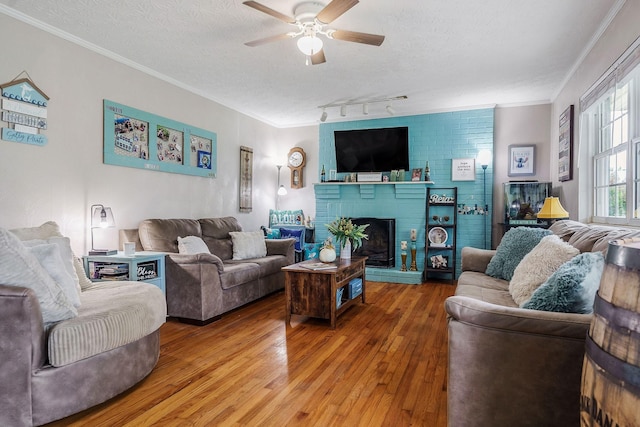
x: 327, y: 255
x: 345, y: 251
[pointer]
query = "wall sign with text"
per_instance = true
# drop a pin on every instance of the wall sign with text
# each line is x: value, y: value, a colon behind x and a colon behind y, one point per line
x: 138, y: 139
x: 24, y: 108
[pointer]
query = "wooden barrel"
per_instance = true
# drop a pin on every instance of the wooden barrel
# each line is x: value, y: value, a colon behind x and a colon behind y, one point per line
x: 611, y: 370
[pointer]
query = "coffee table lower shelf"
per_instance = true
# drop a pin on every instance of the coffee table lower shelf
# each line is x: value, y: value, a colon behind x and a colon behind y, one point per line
x: 313, y: 293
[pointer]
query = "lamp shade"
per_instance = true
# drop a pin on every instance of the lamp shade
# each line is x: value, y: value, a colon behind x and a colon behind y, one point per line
x: 101, y: 217
x: 552, y: 209
x: 309, y: 45
x: 282, y: 191
x: 484, y: 158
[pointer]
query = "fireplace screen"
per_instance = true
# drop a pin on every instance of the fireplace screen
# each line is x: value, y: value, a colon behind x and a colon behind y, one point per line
x: 380, y: 247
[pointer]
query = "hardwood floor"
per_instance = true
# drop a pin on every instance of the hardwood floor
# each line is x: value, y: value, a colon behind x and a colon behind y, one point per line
x: 383, y: 365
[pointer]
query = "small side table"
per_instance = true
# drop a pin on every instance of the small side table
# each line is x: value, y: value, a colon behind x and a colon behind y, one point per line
x: 142, y: 267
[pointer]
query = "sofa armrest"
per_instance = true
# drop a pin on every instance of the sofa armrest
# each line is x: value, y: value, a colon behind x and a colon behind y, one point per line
x: 22, y: 352
x: 513, y: 319
x: 474, y: 259
x: 511, y: 366
x: 281, y: 247
x: 203, y: 258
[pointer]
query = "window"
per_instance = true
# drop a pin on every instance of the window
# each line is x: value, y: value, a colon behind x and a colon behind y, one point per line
x: 611, y: 127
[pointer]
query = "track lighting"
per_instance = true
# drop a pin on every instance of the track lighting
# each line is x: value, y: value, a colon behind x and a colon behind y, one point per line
x: 365, y: 106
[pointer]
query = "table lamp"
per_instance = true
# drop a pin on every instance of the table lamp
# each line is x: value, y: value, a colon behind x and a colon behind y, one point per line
x: 552, y: 209
x: 101, y: 217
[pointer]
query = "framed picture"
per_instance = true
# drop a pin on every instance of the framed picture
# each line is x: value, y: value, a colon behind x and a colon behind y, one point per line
x: 246, y: 178
x: 565, y: 145
x: 463, y: 169
x: 416, y: 174
x: 522, y: 160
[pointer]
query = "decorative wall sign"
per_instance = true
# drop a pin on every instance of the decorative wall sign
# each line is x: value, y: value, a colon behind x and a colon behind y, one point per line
x: 246, y: 178
x: 25, y: 110
x: 137, y: 139
x: 565, y: 145
x: 463, y: 169
x: 521, y: 160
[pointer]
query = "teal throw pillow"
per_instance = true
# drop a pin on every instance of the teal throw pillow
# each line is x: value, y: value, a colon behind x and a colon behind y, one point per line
x: 572, y: 288
x: 515, y: 244
x: 272, y: 233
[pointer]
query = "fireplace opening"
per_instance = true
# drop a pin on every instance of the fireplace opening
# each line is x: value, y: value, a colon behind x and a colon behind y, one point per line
x: 380, y: 247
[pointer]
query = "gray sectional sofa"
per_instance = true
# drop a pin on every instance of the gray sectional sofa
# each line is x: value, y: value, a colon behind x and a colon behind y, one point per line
x: 510, y: 366
x: 201, y: 287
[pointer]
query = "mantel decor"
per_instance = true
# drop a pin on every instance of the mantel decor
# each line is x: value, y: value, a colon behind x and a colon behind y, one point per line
x: 522, y: 160
x: 565, y: 145
x: 137, y: 139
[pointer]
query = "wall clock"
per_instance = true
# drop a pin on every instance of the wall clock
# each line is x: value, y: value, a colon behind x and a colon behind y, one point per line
x: 295, y: 161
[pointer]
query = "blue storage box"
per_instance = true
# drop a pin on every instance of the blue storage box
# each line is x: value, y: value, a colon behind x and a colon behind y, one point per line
x: 355, y: 288
x: 339, y: 294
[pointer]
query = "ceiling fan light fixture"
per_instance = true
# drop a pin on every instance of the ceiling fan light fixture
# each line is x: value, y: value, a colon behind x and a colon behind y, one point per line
x: 309, y: 45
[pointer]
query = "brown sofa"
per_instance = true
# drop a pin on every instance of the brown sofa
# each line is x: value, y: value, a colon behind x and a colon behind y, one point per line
x: 201, y: 287
x: 510, y: 366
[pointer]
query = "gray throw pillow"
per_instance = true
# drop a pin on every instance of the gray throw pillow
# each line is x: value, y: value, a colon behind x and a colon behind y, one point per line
x: 515, y: 244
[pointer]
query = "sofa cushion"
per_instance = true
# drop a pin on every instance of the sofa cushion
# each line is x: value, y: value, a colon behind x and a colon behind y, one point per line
x: 572, y: 288
x: 515, y: 244
x: 46, y: 231
x: 566, y: 228
x: 602, y: 244
x: 50, y: 259
x: 484, y: 288
x: 161, y: 235
x: 19, y: 267
x: 585, y: 239
x: 248, y: 244
x: 294, y: 233
x: 191, y: 245
x: 66, y: 255
x: 236, y: 274
x: 538, y: 265
x: 112, y: 314
x: 215, y: 233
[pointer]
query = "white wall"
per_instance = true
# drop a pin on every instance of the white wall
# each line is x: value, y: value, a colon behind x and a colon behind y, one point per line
x: 518, y: 126
x: 62, y: 179
x: 619, y: 35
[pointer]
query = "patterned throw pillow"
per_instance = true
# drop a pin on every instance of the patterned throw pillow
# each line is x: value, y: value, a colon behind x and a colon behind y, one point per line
x: 298, y: 234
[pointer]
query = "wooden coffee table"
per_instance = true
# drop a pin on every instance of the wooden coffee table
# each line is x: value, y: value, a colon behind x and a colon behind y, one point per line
x: 313, y: 292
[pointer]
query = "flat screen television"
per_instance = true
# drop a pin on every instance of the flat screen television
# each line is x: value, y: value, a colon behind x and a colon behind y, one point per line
x: 372, y: 150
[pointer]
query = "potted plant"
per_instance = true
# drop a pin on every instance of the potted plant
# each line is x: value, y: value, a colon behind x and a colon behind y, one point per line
x: 348, y: 235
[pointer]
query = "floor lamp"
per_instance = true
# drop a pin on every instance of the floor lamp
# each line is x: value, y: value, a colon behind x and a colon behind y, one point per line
x: 484, y: 158
x: 281, y: 190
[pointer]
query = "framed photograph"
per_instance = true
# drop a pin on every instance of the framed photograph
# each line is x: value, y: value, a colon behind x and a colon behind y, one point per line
x: 522, y: 160
x: 565, y: 145
x: 246, y: 179
x: 438, y: 237
x: 416, y: 174
x: 333, y: 176
x: 463, y: 169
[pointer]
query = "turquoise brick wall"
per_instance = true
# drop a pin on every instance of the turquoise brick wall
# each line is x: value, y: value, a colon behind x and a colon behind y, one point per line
x: 437, y: 138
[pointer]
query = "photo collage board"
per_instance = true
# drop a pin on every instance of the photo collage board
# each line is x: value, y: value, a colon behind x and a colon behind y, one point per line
x: 137, y: 139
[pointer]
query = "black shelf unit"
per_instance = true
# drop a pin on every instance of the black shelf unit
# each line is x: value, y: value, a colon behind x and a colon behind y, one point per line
x: 441, y: 202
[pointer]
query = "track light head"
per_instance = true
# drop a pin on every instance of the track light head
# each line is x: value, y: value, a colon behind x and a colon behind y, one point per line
x: 323, y: 117
x: 390, y: 110
x: 365, y: 109
x: 343, y: 110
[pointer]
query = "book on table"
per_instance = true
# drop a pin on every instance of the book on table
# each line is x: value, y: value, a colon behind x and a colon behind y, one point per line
x: 318, y: 266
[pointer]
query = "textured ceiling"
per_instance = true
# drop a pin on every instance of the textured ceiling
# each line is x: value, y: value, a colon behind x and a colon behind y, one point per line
x: 442, y: 54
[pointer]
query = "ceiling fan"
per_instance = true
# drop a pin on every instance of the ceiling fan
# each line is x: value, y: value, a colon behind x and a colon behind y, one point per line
x: 311, y: 19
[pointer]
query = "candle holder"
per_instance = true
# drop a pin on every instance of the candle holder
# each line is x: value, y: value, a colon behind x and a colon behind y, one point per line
x: 404, y: 261
x: 413, y: 267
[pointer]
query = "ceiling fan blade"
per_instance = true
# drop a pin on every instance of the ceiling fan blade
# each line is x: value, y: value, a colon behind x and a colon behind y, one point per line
x: 354, y: 36
x: 318, y: 58
x: 266, y: 40
x: 264, y: 9
x: 334, y: 10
